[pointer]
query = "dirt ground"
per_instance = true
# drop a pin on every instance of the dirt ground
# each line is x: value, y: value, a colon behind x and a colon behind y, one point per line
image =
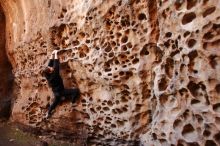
x: 12, y: 136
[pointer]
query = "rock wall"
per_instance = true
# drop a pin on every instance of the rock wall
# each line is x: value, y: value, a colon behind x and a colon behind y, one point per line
x: 148, y: 71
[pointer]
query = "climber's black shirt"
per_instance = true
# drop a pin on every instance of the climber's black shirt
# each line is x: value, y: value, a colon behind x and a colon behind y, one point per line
x: 54, y: 79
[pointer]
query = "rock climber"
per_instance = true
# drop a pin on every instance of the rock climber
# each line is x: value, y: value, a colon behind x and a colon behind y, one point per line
x: 52, y: 74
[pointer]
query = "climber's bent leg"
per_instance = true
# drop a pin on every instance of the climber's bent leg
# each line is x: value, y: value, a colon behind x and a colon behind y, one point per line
x: 72, y: 93
x: 54, y: 104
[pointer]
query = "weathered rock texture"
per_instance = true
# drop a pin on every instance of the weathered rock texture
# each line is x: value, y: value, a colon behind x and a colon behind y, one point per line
x: 148, y: 71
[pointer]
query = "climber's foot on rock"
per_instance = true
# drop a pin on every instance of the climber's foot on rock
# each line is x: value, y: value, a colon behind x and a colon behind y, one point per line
x: 74, y: 101
x: 48, y: 115
x: 74, y: 104
x: 79, y: 121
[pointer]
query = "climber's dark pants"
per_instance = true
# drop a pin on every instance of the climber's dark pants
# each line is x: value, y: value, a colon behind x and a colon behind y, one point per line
x: 72, y: 93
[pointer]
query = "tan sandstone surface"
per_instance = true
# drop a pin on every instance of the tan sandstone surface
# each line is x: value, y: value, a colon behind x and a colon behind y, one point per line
x: 148, y: 70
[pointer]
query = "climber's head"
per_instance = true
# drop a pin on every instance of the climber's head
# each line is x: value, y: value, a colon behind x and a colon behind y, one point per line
x: 47, y: 70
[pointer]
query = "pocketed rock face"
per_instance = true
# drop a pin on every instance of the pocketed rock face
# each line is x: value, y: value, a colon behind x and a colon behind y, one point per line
x: 148, y: 71
x: 186, y: 80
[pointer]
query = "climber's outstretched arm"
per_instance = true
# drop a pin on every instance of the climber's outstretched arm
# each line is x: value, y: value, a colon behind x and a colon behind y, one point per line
x: 51, y: 60
x: 55, y: 54
x: 56, y: 64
